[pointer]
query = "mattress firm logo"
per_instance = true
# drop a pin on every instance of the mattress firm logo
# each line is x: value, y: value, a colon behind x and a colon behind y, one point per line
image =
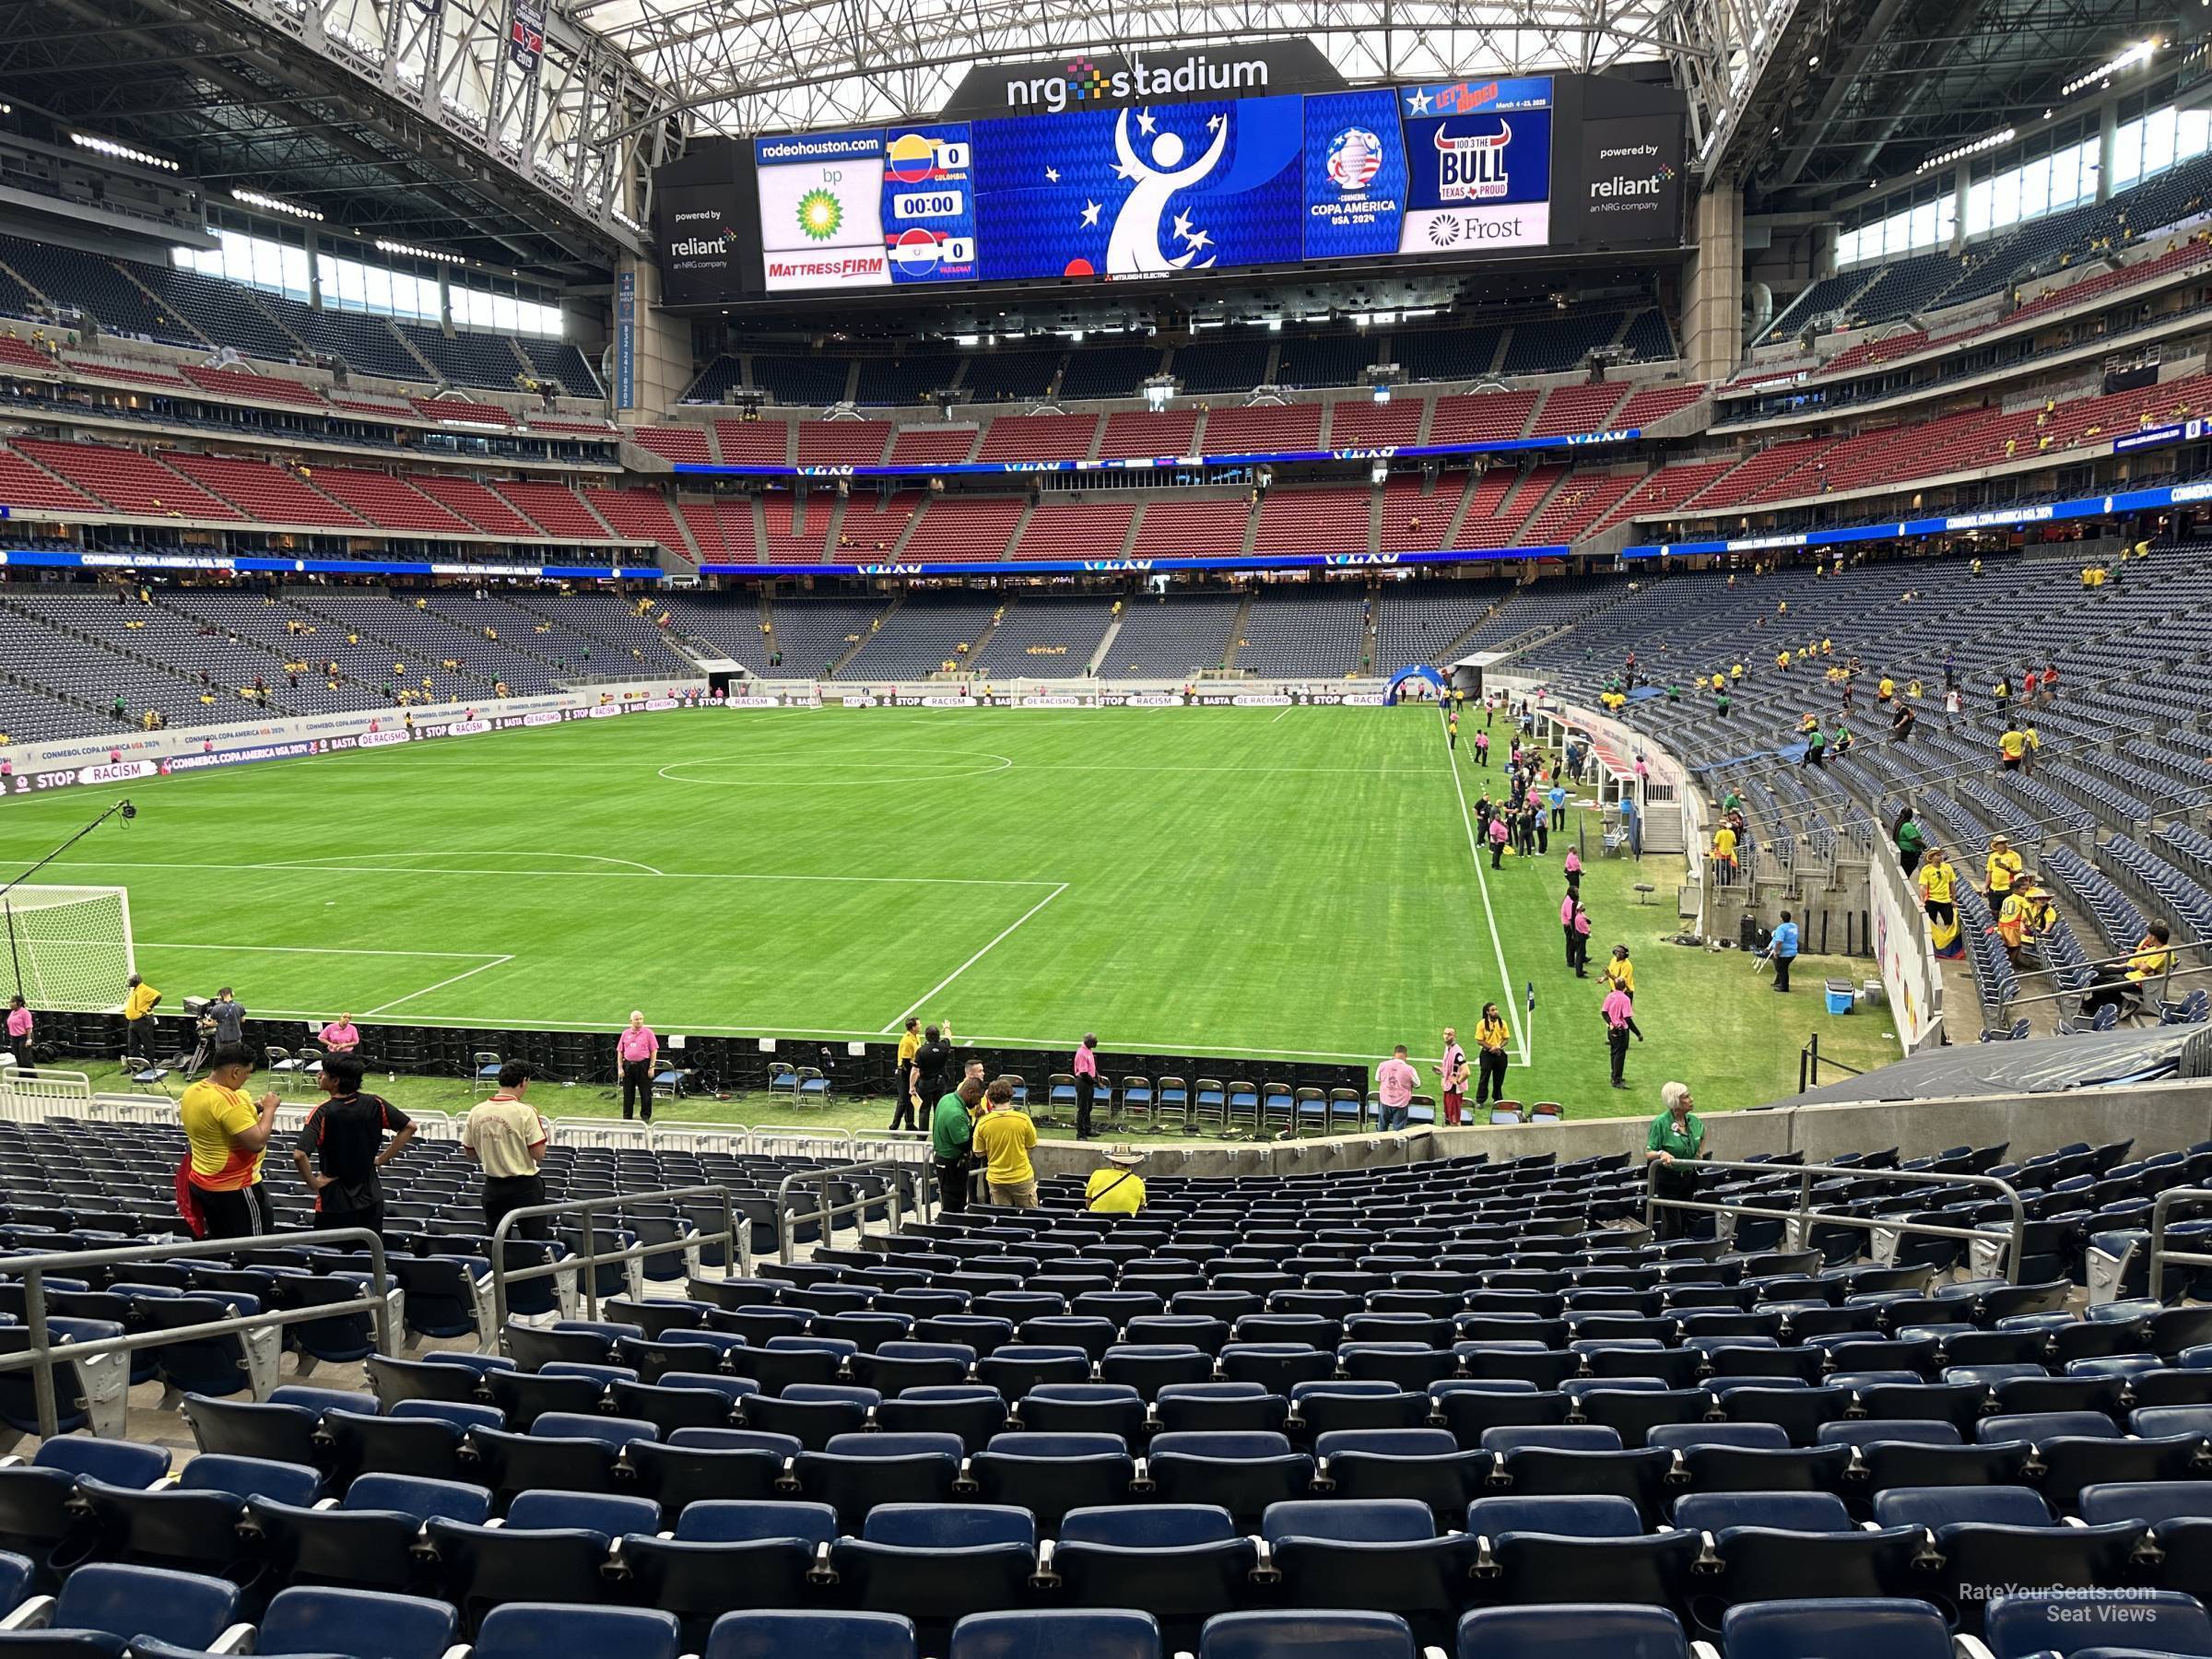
x: 1084, y: 82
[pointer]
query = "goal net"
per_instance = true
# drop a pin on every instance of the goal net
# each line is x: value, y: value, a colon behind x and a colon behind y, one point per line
x: 69, y: 948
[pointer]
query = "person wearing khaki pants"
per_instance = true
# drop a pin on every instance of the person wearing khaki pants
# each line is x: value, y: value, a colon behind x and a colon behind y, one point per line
x: 1004, y: 1138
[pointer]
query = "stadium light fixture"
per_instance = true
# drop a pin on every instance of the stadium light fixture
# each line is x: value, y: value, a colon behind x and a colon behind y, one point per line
x: 409, y: 251
x: 123, y: 152
x: 2140, y: 53
x: 1958, y: 152
x: 255, y: 199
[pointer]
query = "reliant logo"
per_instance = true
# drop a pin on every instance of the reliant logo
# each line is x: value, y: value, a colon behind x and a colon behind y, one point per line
x: 1085, y: 82
x: 1618, y: 186
x: 890, y: 569
x: 1362, y: 558
x: 1117, y: 564
x: 694, y: 247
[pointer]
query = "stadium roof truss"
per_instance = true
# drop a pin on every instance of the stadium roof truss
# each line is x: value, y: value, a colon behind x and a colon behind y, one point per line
x: 581, y: 124
x: 772, y: 65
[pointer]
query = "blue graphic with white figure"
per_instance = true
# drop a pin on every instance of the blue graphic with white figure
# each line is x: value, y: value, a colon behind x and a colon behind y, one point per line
x: 1141, y: 192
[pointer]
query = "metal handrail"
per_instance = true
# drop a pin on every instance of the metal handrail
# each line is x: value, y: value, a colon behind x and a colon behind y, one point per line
x: 787, y: 1219
x: 1805, y: 1216
x: 732, y: 1238
x: 40, y: 1357
x: 2159, y: 1254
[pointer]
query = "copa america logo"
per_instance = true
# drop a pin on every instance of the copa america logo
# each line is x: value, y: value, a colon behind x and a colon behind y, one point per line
x: 1355, y: 154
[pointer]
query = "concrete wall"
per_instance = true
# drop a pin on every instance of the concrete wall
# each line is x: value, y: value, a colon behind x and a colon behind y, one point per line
x: 2159, y: 1117
x: 1712, y: 321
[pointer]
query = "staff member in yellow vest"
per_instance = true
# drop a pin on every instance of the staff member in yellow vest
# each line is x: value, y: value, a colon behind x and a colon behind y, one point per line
x: 1115, y: 1188
x: 2001, y: 869
x: 227, y: 1133
x: 902, y: 1081
x: 139, y: 1002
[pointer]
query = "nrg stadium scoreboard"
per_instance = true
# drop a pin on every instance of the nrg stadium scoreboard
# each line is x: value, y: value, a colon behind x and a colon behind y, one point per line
x: 1141, y: 169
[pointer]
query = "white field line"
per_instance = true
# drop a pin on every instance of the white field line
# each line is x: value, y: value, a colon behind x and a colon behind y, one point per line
x: 303, y: 867
x: 499, y: 962
x: 898, y: 1019
x: 1511, y: 1004
x: 466, y: 956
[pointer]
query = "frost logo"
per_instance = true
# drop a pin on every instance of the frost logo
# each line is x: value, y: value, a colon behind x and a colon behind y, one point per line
x: 1471, y: 167
x: 1445, y: 231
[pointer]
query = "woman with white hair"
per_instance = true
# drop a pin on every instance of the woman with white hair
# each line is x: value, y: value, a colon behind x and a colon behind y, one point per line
x: 637, y: 1049
x: 1675, y: 1141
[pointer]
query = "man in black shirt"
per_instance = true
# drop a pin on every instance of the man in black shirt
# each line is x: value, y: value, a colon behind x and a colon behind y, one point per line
x: 932, y: 1060
x: 346, y: 1133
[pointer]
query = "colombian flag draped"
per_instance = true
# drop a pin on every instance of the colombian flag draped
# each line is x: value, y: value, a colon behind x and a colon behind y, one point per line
x: 1946, y: 938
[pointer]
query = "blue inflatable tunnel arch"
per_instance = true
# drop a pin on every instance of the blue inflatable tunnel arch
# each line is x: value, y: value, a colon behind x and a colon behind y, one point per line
x: 1419, y: 671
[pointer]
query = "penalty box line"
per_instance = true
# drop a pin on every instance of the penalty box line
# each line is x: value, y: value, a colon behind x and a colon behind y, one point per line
x: 1007, y: 932
x: 485, y: 962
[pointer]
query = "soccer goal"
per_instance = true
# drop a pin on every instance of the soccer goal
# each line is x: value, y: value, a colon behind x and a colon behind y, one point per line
x: 69, y: 948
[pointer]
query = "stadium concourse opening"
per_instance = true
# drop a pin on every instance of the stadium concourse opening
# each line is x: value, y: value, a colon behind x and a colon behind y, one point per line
x: 720, y: 941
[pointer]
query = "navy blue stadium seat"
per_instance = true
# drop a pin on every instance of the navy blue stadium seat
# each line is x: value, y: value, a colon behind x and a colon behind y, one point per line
x: 535, y: 1629
x: 1270, y: 1635
x: 1571, y: 1630
x: 777, y: 1635
x: 1120, y: 1633
x: 1836, y: 1630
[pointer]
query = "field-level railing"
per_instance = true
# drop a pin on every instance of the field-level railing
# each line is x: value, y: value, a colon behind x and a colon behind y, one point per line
x: 1805, y: 1217
x: 42, y: 1353
x: 590, y: 1258
x: 827, y: 1210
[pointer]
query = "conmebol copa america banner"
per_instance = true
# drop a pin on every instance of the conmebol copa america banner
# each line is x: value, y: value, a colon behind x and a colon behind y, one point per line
x: 1155, y: 190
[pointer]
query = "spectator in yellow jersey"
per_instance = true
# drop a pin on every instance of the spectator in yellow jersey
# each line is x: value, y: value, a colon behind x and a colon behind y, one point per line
x: 1115, y: 1188
x: 1002, y: 1140
x: 1723, y: 853
x: 228, y: 1133
x: 2001, y: 869
x: 1938, y: 882
x: 2012, y: 749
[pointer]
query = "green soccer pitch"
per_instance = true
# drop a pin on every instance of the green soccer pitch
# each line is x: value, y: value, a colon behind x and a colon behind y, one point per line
x: 1299, y: 882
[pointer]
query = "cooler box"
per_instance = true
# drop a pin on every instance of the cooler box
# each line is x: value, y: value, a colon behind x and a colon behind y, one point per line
x: 1839, y: 996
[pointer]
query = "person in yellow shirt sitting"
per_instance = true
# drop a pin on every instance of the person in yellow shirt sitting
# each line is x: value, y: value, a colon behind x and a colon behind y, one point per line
x: 1782, y: 660
x: 2151, y: 958
x: 1115, y: 1188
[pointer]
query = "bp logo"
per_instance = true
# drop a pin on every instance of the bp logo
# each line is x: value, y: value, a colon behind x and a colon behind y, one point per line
x: 821, y: 214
